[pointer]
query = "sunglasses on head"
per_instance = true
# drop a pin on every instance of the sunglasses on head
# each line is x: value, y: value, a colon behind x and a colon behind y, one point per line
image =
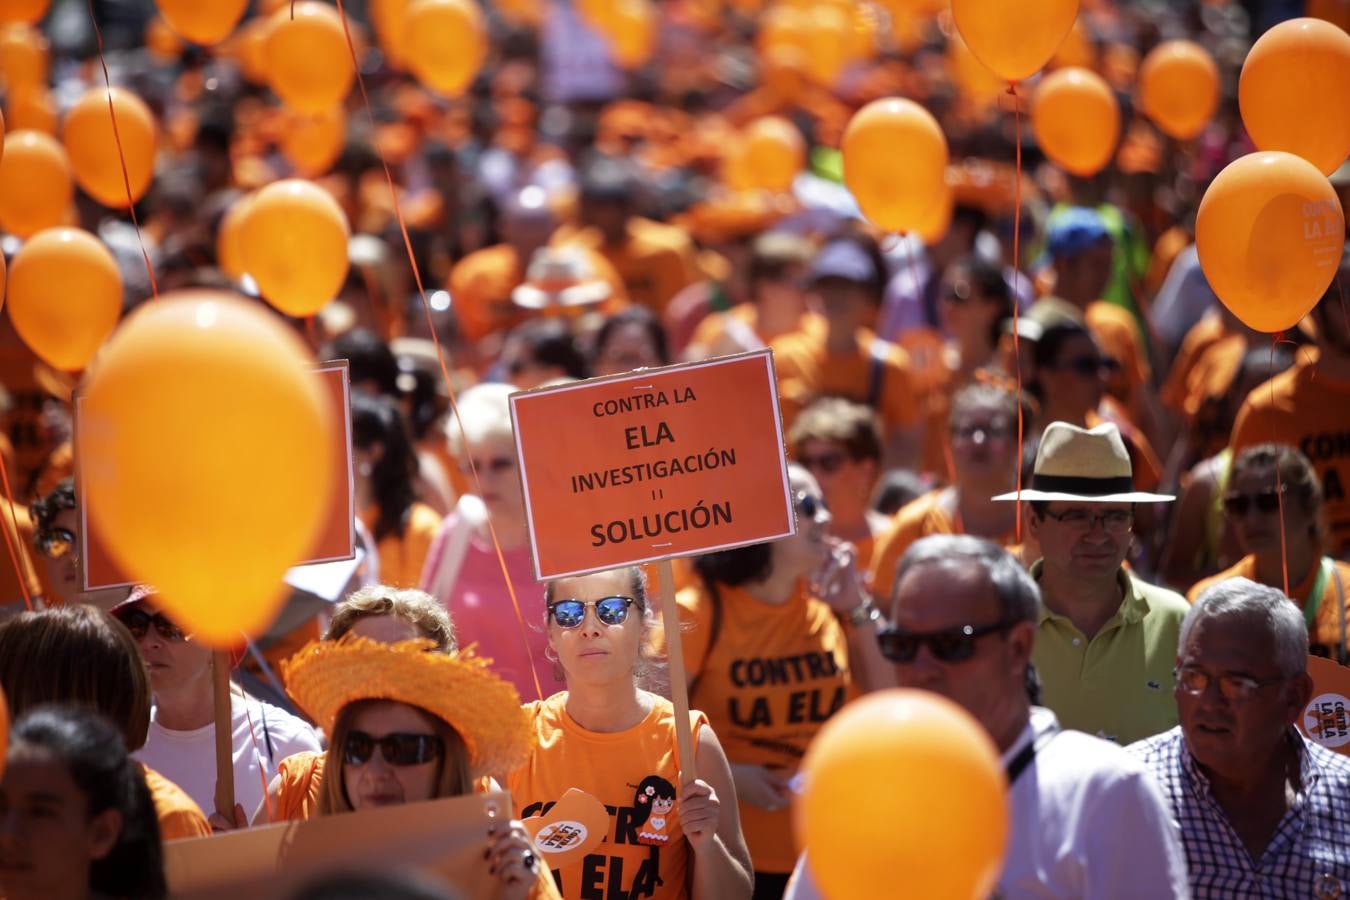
x: 827, y: 463
x: 1265, y: 502
x: 1089, y: 366
x: 398, y: 749
x: 56, y: 543
x: 811, y: 506
x: 609, y: 610
x: 138, y: 622
x: 951, y: 645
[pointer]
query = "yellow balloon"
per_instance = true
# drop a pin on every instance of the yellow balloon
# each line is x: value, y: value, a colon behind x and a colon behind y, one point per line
x: 895, y: 197
x: 206, y: 446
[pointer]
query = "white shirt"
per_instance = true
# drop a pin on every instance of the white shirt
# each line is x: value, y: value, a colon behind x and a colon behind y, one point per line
x: 1087, y: 822
x: 188, y: 758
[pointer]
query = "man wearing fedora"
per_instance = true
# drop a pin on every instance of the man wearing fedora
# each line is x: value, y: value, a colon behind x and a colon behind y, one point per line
x: 1106, y: 641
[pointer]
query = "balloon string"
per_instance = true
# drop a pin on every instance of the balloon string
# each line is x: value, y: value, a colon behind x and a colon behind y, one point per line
x: 1277, y: 338
x: 1017, y: 276
x: 262, y: 765
x: 13, y: 525
x: 440, y: 354
x: 121, y: 156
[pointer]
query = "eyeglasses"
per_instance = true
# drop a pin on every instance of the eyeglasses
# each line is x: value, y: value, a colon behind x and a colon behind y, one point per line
x: 1237, y: 505
x: 56, y: 543
x: 1234, y: 688
x: 138, y: 622
x: 991, y: 431
x: 811, y: 506
x: 952, y: 645
x: 1114, y: 521
x: 1089, y: 366
x: 496, y: 465
x: 609, y: 610
x: 827, y: 463
x: 398, y: 749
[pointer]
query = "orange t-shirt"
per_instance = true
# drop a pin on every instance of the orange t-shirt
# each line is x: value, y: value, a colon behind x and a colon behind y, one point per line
x: 1308, y: 411
x: 768, y: 682
x: 806, y: 371
x: 655, y: 263
x: 645, y: 853
x: 1114, y: 328
x: 1202, y: 335
x: 298, y: 789
x: 737, y: 330
x: 402, y: 558
x: 178, y: 816
x: 1326, y: 630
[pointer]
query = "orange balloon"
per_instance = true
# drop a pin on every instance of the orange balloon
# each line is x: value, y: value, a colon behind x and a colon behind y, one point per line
x: 203, y: 21
x: 633, y: 33
x: 308, y: 63
x: 294, y: 242
x: 25, y: 12
x: 892, y: 751
x: 23, y: 57
x: 92, y: 144
x: 35, y: 183
x: 313, y: 143
x: 895, y: 197
x: 32, y: 109
x: 65, y: 294
x: 1076, y: 120
x: 1012, y: 37
x: 229, y: 239
x: 248, y: 48
x: 446, y: 43
x: 980, y: 85
x: 828, y: 44
x: 203, y: 415
x: 937, y: 225
x: 1179, y: 88
x: 1076, y: 49
x: 1294, y: 92
x: 1269, y: 234
x: 387, y: 17
x: 774, y: 153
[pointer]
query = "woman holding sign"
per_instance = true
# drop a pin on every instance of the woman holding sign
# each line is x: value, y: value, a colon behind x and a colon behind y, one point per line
x: 776, y: 638
x: 605, y: 736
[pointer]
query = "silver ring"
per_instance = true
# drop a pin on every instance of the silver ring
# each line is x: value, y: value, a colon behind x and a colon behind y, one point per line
x: 530, y: 860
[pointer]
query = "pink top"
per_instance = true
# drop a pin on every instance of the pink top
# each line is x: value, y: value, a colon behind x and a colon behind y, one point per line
x: 481, y: 610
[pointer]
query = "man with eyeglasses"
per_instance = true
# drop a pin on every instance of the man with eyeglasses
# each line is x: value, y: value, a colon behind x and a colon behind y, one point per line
x: 1105, y: 638
x: 1087, y: 820
x: 1264, y: 812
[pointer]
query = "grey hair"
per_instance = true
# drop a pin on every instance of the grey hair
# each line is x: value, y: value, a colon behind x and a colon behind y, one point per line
x: 1276, y: 613
x: 1019, y: 598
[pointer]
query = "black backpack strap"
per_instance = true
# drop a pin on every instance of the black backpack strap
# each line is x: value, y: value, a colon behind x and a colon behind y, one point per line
x: 715, y: 628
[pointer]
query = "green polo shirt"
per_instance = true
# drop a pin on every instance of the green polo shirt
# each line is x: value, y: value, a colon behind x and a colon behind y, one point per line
x: 1119, y: 684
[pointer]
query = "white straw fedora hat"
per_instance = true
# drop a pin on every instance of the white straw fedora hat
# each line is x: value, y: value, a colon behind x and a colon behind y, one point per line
x: 1075, y: 463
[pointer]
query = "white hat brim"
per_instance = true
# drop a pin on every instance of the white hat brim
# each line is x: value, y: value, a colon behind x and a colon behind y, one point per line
x: 1132, y: 497
x: 531, y: 297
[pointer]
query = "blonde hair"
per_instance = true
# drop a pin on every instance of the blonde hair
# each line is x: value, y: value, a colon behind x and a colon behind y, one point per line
x: 419, y: 609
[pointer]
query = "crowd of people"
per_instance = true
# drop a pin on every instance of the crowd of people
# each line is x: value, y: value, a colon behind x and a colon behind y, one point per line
x: 1037, y: 467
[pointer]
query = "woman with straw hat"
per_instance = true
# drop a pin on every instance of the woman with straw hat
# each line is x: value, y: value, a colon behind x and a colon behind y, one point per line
x: 616, y: 742
x: 408, y: 723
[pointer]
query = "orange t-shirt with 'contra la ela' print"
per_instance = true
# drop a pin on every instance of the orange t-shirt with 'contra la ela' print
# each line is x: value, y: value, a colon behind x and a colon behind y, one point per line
x: 768, y: 682
x: 645, y: 854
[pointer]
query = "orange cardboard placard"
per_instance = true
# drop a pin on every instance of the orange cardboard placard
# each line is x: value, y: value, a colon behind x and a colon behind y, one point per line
x: 652, y: 465
x: 338, y: 541
x: 573, y: 827
x: 445, y: 838
x: 1326, y: 718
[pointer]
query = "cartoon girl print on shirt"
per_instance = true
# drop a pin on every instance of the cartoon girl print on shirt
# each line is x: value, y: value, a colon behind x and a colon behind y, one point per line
x: 655, y: 805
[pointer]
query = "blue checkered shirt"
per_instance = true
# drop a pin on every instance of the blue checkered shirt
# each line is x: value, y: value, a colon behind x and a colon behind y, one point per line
x: 1309, y: 853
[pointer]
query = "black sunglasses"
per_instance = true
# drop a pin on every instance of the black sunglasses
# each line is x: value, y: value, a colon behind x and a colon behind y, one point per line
x: 398, y: 749
x: 609, y: 610
x: 952, y: 645
x: 56, y: 543
x: 828, y: 463
x: 1237, y: 504
x: 138, y: 622
x: 810, y: 505
x: 1088, y: 366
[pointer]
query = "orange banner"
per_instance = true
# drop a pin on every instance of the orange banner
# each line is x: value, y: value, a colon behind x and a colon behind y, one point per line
x: 338, y: 540
x: 651, y: 465
x: 1326, y: 718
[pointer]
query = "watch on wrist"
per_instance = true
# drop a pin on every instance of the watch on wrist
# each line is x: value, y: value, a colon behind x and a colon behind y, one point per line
x: 863, y: 614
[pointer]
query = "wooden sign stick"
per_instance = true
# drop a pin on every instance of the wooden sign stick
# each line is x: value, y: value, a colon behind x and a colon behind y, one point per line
x: 220, y: 683
x: 679, y: 688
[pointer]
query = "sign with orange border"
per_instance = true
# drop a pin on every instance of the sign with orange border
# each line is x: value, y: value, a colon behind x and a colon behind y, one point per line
x: 1326, y: 718
x: 653, y: 464
x: 98, y: 570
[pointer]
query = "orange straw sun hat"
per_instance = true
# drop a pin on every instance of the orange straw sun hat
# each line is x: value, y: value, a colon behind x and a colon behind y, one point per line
x: 457, y: 688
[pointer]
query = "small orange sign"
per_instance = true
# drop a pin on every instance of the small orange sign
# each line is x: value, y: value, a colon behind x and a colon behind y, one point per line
x: 573, y: 827
x: 654, y: 464
x: 1326, y: 718
x: 336, y: 542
